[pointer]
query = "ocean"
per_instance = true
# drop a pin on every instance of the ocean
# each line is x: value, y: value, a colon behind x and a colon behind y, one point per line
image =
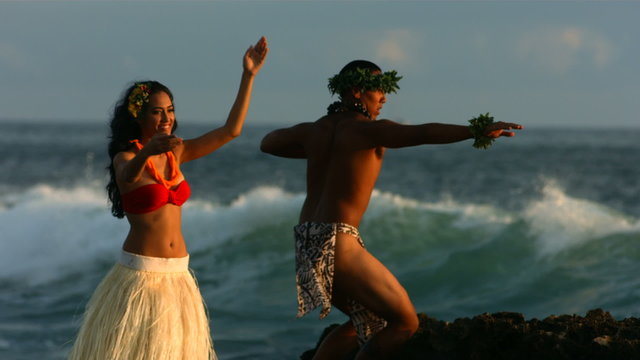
x: 547, y: 222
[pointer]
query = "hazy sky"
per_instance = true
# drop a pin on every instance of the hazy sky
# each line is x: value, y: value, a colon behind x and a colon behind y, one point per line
x: 567, y: 63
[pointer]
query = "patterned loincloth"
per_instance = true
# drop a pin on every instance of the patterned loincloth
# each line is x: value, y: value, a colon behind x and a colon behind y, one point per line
x: 315, y: 254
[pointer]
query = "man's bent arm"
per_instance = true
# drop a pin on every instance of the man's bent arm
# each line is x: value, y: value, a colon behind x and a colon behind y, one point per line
x: 286, y: 142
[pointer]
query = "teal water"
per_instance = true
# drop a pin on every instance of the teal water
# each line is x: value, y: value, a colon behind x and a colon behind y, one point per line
x: 541, y: 224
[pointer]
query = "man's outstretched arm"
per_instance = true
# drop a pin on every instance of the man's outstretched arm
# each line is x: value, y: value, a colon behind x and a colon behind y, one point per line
x: 387, y: 133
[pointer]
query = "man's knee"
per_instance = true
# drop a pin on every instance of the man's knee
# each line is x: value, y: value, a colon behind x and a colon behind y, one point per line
x: 414, y: 323
x: 406, y: 325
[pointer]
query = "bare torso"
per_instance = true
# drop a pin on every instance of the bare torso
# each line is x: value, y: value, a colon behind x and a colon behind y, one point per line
x: 341, y: 171
x: 157, y: 233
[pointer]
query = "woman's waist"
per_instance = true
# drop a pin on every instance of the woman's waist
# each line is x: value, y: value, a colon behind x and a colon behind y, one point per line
x: 156, y: 243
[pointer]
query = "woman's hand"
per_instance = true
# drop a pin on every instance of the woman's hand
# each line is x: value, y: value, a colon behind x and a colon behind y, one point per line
x: 254, y: 56
x: 161, y: 143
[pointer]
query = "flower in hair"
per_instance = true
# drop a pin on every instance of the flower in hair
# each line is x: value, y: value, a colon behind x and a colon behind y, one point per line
x: 364, y: 80
x: 139, y: 96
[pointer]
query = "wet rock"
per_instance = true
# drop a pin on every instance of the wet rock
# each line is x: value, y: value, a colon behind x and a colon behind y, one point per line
x: 507, y: 335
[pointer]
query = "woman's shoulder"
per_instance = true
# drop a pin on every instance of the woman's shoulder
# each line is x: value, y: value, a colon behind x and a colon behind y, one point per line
x: 123, y: 156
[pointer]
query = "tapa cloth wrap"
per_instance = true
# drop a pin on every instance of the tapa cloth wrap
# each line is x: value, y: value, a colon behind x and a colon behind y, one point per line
x: 315, y: 254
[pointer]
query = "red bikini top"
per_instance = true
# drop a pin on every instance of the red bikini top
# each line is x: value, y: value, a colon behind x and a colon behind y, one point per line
x: 150, y: 197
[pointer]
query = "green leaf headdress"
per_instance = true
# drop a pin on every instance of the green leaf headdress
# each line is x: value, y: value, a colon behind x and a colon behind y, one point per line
x: 364, y: 80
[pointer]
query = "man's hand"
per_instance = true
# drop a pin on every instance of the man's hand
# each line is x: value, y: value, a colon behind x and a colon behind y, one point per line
x: 499, y: 128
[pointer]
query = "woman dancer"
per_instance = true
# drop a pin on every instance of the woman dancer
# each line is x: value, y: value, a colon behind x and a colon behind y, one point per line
x: 149, y: 306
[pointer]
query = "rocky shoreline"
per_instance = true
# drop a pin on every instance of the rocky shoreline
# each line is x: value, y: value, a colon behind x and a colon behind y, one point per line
x: 507, y: 335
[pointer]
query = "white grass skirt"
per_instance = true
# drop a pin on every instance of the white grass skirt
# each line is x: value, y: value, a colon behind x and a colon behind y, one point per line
x: 146, y: 308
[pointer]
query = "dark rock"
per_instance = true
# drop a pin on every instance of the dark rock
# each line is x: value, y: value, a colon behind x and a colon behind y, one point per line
x: 507, y: 335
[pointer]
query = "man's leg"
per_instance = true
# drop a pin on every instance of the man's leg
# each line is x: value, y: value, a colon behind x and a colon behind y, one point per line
x: 340, y: 344
x: 361, y: 277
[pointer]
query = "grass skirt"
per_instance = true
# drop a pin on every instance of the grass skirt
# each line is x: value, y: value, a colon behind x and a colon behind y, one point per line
x: 145, y: 309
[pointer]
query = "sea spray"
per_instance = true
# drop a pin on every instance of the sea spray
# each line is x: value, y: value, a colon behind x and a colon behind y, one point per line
x: 559, y: 221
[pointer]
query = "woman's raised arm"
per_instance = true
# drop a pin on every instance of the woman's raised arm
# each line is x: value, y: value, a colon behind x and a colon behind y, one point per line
x: 203, y: 145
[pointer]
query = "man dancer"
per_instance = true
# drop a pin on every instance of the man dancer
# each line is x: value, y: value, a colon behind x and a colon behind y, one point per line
x: 344, y: 152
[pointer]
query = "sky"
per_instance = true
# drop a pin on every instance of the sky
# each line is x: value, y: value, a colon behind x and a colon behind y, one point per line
x: 539, y: 63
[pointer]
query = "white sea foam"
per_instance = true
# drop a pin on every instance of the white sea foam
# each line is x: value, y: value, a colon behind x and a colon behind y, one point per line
x: 559, y: 221
x: 204, y: 221
x: 48, y: 232
x: 468, y: 214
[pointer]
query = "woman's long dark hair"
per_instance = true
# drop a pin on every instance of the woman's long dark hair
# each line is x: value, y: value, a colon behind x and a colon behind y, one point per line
x: 124, y: 128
